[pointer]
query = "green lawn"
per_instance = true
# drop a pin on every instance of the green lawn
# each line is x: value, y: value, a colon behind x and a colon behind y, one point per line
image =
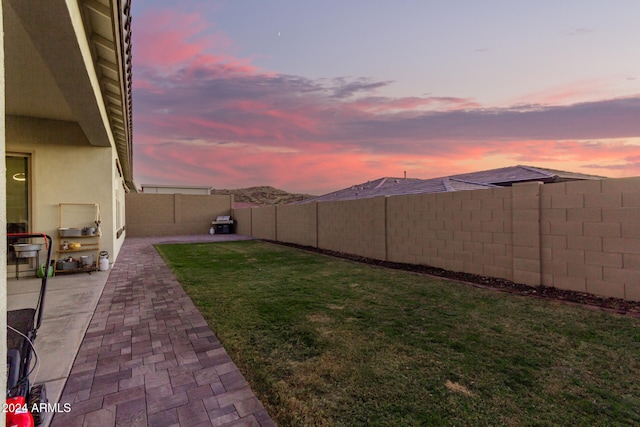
x: 326, y: 341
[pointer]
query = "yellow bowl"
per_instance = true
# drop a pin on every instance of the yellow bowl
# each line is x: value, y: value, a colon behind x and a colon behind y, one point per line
x: 74, y: 246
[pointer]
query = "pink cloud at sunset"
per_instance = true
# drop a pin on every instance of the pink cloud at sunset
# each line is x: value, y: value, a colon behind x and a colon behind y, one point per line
x: 205, y: 117
x: 244, y: 166
x: 566, y: 94
x: 167, y: 39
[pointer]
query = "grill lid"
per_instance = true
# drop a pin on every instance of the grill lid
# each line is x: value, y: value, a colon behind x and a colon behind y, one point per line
x: 223, y: 219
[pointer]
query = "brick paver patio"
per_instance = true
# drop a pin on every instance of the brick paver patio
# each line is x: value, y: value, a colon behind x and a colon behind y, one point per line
x: 149, y: 358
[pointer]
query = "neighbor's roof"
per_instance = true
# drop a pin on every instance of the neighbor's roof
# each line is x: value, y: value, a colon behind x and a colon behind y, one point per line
x: 197, y: 187
x: 520, y: 173
x: 468, y: 181
x: 397, y: 186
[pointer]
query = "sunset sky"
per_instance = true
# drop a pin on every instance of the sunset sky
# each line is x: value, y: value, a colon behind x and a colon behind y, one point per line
x: 314, y: 96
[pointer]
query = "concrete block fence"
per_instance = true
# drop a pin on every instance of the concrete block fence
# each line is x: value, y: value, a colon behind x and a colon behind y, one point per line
x: 581, y: 235
x: 173, y: 214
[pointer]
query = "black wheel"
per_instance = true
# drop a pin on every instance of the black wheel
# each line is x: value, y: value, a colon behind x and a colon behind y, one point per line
x: 37, y: 395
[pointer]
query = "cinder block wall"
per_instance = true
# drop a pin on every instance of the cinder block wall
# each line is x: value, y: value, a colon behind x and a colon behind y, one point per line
x: 525, y: 216
x: 591, y: 237
x: 298, y: 224
x: 173, y: 214
x: 582, y: 235
x: 469, y: 231
x: 355, y: 227
x: 243, y: 221
x: 263, y: 223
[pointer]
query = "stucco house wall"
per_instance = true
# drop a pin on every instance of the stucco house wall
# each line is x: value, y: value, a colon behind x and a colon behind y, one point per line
x: 66, y: 169
x: 3, y: 218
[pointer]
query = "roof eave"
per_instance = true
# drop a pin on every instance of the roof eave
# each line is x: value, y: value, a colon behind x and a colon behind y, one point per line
x: 111, y: 51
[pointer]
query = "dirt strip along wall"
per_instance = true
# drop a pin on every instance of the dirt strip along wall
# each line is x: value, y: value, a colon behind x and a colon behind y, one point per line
x: 173, y: 214
x: 581, y: 235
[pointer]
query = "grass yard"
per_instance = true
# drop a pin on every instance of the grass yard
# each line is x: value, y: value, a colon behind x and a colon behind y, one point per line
x: 326, y: 341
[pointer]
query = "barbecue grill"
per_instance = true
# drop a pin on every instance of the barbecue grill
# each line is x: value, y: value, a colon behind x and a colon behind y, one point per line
x: 223, y: 224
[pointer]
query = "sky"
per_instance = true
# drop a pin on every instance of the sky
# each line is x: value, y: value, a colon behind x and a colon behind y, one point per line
x: 315, y: 96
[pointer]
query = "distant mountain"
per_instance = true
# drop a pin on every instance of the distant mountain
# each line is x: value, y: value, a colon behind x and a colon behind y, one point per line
x: 262, y: 196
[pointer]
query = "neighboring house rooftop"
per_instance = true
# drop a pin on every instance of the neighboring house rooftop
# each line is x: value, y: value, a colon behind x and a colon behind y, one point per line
x: 469, y: 181
x: 520, y: 173
x: 175, y: 189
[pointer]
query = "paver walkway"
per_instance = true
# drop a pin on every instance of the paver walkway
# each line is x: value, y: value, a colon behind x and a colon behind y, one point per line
x: 149, y: 358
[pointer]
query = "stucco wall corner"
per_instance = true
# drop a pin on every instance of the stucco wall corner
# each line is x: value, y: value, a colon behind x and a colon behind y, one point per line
x: 3, y: 219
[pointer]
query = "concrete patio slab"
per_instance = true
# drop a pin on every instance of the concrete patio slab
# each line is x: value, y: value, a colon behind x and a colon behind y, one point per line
x: 69, y: 305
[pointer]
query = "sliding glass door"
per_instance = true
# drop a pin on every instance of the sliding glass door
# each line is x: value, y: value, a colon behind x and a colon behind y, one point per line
x: 18, y: 200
